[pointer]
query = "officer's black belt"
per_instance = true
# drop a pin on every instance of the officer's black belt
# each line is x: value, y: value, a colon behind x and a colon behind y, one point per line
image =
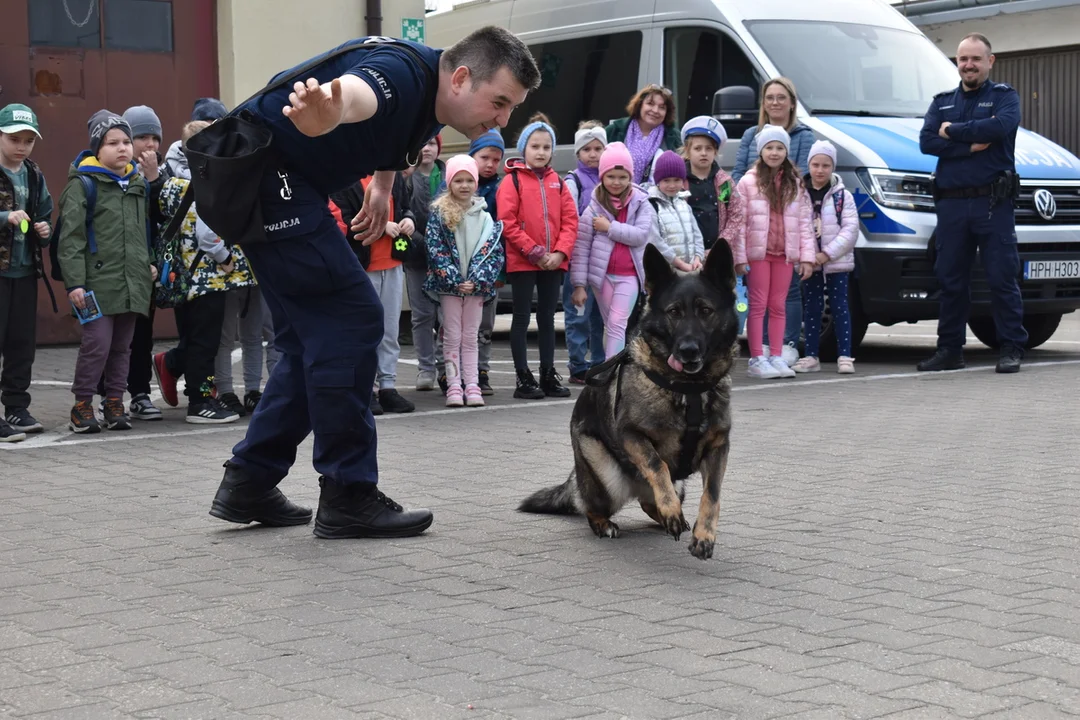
x: 963, y: 193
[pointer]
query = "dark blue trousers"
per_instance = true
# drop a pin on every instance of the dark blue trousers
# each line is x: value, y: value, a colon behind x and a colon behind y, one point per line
x: 328, y: 323
x: 964, y: 226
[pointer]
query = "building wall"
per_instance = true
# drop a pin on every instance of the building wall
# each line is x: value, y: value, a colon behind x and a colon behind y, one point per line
x: 65, y: 84
x: 1013, y: 32
x: 258, y: 38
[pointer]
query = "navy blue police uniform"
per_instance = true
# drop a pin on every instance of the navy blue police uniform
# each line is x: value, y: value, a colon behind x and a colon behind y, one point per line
x: 975, y: 208
x: 327, y: 316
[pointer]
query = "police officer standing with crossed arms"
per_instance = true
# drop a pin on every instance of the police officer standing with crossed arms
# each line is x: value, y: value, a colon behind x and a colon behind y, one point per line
x: 972, y: 131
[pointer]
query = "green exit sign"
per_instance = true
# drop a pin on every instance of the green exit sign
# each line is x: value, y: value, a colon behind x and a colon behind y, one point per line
x: 412, y: 29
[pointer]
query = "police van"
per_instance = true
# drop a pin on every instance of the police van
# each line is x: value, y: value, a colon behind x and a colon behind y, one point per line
x: 865, y: 77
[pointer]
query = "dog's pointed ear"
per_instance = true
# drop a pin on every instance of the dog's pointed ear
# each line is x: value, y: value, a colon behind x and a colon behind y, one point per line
x: 719, y: 269
x: 658, y: 273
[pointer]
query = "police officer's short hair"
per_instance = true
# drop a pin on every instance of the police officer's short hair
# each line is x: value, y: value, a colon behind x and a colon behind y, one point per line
x: 981, y: 38
x: 488, y: 49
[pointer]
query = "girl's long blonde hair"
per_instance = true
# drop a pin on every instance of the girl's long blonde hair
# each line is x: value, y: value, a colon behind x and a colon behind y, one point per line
x: 790, y: 183
x: 451, y: 210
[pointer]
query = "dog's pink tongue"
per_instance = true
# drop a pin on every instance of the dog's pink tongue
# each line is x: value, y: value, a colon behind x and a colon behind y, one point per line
x: 674, y: 364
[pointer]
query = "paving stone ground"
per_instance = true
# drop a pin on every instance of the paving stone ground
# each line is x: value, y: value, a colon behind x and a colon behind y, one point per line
x: 890, y: 546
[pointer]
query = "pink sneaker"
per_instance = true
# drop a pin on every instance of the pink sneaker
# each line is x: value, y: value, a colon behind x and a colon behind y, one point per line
x: 453, y: 395
x: 473, y: 396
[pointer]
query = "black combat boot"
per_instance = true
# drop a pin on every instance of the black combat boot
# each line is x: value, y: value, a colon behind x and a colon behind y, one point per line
x: 360, y: 510
x: 942, y: 359
x: 527, y: 389
x: 1009, y: 360
x: 551, y: 385
x: 243, y: 499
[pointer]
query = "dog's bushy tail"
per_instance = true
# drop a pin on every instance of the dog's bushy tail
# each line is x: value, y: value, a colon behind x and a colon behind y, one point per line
x: 555, y: 500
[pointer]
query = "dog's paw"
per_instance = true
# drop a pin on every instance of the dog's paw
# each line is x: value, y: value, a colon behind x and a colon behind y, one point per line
x: 701, y: 549
x: 604, y: 527
x: 702, y: 543
x: 676, y: 525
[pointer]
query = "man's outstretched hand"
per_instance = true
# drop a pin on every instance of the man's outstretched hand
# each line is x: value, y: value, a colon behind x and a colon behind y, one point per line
x: 315, y: 109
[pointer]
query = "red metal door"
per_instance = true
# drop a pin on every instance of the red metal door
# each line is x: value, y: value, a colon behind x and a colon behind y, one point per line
x: 65, y: 84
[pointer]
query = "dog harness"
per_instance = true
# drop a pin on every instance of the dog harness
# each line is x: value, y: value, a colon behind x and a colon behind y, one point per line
x: 600, y: 376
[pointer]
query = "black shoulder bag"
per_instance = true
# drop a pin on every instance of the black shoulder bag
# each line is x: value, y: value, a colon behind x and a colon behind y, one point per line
x: 228, y: 158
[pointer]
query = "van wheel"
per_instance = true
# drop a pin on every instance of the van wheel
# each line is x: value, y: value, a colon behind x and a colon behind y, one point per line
x: 827, y: 351
x: 1040, y: 328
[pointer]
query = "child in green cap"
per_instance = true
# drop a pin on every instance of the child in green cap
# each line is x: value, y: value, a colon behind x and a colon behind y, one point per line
x: 25, y: 209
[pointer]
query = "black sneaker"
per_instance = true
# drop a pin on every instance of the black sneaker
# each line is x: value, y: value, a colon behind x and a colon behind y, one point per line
x: 1008, y: 361
x: 209, y: 411
x: 243, y: 499
x: 251, y: 400
x: 391, y: 401
x: 485, y: 384
x: 83, y: 419
x: 359, y: 510
x: 23, y: 421
x: 551, y: 383
x: 527, y: 389
x: 233, y: 403
x: 443, y: 384
x: 142, y: 409
x: 9, y: 434
x: 942, y: 360
x: 115, y: 417
x: 376, y: 408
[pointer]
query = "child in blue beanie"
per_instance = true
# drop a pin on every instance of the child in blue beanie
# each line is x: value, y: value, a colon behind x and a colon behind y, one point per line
x: 487, y: 150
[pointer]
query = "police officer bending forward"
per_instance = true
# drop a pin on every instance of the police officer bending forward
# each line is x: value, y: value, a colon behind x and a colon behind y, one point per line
x: 972, y: 131
x: 357, y: 114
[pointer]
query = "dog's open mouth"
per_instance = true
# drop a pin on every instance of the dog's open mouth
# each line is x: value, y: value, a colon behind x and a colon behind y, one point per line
x: 690, y: 368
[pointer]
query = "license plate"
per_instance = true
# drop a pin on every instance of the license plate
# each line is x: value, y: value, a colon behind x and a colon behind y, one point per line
x: 1052, y: 269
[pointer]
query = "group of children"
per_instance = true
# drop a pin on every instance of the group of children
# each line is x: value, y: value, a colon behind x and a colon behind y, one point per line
x: 458, y: 231
x: 585, y: 235
x: 107, y: 248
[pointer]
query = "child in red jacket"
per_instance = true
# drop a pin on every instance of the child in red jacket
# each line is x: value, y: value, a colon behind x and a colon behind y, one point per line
x: 540, y: 222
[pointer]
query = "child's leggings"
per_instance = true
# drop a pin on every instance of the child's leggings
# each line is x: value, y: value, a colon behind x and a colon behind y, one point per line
x: 106, y: 347
x: 814, y: 306
x: 768, y: 283
x: 616, y: 299
x: 461, y: 324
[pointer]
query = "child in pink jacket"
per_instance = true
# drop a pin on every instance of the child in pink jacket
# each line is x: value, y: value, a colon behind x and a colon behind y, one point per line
x: 610, y: 248
x: 779, y: 232
x: 836, y: 227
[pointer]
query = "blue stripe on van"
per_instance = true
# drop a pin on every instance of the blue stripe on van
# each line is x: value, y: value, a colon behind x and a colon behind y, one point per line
x: 896, y: 140
x: 880, y: 223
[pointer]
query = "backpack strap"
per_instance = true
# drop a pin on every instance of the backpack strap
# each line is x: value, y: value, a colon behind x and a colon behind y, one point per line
x: 90, y: 189
x: 838, y: 205
x: 149, y: 226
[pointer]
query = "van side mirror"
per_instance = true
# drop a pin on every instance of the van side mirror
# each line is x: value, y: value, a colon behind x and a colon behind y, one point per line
x: 737, y: 103
x: 736, y: 108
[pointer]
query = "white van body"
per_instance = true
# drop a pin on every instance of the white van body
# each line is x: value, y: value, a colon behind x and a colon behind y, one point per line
x: 865, y: 77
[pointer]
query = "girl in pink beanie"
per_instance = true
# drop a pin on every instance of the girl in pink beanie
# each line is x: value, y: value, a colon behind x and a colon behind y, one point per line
x: 465, y: 257
x: 612, y: 234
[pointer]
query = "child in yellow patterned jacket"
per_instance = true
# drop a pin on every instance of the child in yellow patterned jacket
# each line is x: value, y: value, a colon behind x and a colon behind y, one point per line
x: 215, y: 268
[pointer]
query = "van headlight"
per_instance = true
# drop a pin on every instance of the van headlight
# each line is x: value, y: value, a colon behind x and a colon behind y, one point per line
x: 903, y: 191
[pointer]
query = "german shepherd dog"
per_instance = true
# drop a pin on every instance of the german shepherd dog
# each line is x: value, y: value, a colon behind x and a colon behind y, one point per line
x: 660, y: 410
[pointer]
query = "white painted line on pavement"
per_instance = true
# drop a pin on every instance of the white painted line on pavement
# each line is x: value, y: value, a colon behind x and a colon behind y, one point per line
x: 64, y: 438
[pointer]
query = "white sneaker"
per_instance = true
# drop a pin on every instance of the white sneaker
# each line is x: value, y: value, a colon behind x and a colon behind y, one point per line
x: 807, y: 365
x: 790, y: 354
x: 425, y: 380
x: 782, y: 368
x: 761, y: 368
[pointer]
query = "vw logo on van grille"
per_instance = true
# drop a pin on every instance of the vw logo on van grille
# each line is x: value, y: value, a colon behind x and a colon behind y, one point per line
x: 1045, y: 204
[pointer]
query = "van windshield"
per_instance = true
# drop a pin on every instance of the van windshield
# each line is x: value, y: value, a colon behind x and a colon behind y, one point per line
x: 856, y: 69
